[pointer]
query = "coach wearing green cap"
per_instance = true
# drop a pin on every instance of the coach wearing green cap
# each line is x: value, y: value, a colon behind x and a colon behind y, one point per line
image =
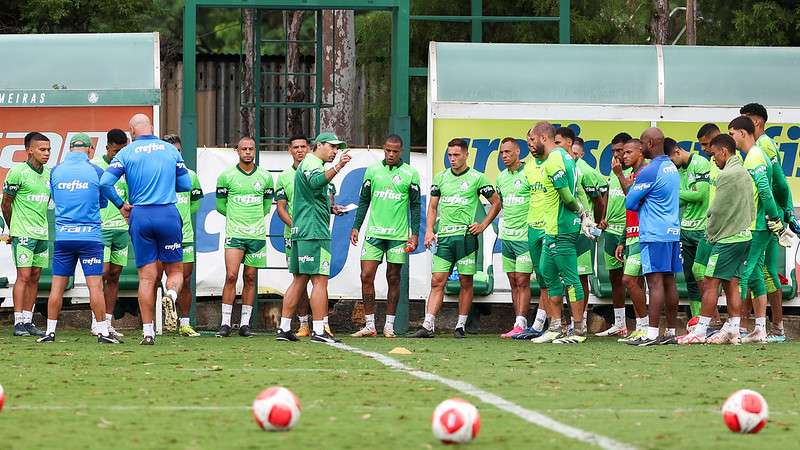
x: 311, y: 237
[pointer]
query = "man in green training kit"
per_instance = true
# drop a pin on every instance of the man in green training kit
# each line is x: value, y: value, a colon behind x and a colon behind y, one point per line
x: 783, y: 197
x: 114, y: 229
x: 613, y: 226
x: 311, y: 236
x: 564, y: 219
x: 284, y: 191
x: 390, y: 190
x: 188, y: 204
x: 768, y: 221
x: 694, y: 171
x: 514, y: 191
x: 26, y: 196
x: 456, y: 191
x: 244, y: 197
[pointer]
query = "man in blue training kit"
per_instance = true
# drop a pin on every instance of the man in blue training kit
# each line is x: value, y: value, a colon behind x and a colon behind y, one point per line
x: 155, y: 171
x: 655, y: 194
x: 75, y: 189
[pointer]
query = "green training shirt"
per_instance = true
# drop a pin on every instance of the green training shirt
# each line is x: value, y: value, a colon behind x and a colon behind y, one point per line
x: 110, y: 216
x: 389, y: 192
x: 713, y: 173
x: 284, y: 190
x: 590, y: 185
x: 615, y: 209
x: 694, y: 193
x: 534, y: 172
x: 244, y: 199
x: 560, y: 172
x: 757, y: 163
x: 311, y: 208
x: 458, y: 199
x: 188, y: 204
x: 515, y: 194
x: 780, y: 188
x: 30, y: 189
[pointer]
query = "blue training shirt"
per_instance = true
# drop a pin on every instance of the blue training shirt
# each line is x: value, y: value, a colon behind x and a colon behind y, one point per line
x: 75, y: 189
x: 656, y: 195
x: 153, y: 169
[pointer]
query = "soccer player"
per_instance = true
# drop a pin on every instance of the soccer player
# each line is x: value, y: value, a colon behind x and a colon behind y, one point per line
x: 705, y: 135
x: 514, y: 191
x: 592, y: 194
x: 390, y: 189
x: 564, y: 218
x: 154, y: 171
x: 26, y: 196
x: 188, y: 204
x: 454, y: 201
x: 783, y: 197
x: 244, y: 197
x: 114, y: 230
x: 768, y: 221
x: 613, y: 226
x: 655, y: 194
x: 694, y: 171
x: 284, y: 191
x: 75, y: 187
x: 730, y: 216
x: 311, y: 236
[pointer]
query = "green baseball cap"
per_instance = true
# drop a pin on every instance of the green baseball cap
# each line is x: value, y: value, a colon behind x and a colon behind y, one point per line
x: 80, y: 140
x: 329, y: 138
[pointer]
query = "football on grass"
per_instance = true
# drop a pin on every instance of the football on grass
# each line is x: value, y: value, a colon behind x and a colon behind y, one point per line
x: 456, y: 421
x: 745, y: 411
x: 276, y: 409
x: 2, y: 397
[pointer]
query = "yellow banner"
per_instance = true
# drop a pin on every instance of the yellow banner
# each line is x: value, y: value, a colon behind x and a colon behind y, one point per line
x: 484, y: 136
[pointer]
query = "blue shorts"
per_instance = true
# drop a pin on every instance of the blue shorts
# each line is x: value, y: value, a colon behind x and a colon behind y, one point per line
x: 156, y: 234
x: 66, y: 255
x: 661, y: 257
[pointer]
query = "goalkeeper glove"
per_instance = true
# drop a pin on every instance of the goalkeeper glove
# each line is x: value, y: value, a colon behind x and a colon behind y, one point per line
x: 775, y: 225
x: 786, y: 237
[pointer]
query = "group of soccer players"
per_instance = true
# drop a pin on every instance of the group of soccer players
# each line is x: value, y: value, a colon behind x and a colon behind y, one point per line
x: 661, y: 211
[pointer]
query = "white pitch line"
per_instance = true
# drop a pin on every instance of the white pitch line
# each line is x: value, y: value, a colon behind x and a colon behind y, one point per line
x: 125, y: 408
x: 528, y: 415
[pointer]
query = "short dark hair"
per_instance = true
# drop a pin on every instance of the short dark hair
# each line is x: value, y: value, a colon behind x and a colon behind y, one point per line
x: 670, y: 146
x: 249, y: 138
x: 579, y: 140
x: 621, y: 138
x: 298, y: 138
x: 510, y: 139
x: 566, y: 132
x: 636, y: 141
x: 725, y: 141
x: 707, y: 129
x: 393, y: 139
x: 117, y: 137
x: 34, y: 136
x: 458, y: 142
x: 172, y: 139
x: 754, y: 109
x: 742, y: 123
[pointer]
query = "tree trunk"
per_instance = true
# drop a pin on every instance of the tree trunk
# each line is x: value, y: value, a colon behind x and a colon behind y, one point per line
x: 248, y: 108
x: 339, y: 72
x: 691, y: 22
x: 659, y: 23
x: 294, y: 90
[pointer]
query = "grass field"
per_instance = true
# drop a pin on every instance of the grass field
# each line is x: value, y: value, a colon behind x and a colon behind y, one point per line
x: 195, y: 393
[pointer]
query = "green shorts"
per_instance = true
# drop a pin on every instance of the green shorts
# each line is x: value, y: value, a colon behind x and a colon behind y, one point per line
x: 633, y: 258
x: 701, y: 258
x: 753, y: 273
x: 115, y: 247
x: 188, y: 252
x: 516, y: 256
x: 535, y: 243
x: 559, y: 266
x: 771, y: 280
x: 28, y: 252
x: 255, y: 251
x: 460, y: 252
x: 585, y: 252
x: 310, y: 257
x: 610, y: 243
x: 727, y: 260
x: 287, y: 249
x: 374, y: 249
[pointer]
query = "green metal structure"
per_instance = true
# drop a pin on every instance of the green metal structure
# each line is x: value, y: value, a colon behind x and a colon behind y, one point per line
x: 399, y: 120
